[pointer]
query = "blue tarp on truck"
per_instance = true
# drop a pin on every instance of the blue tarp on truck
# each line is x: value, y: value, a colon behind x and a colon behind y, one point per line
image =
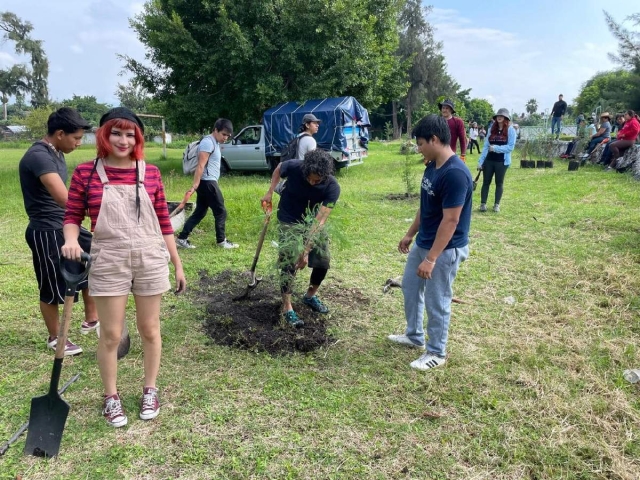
x: 343, y: 128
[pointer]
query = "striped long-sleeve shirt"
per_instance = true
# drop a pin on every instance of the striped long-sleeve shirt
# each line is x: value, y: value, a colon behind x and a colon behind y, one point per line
x: 117, y: 176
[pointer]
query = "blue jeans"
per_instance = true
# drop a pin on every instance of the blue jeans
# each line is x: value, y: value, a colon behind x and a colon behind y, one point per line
x: 434, y: 294
x: 594, y: 143
x: 556, y: 121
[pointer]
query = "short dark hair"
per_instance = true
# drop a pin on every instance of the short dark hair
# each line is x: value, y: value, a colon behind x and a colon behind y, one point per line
x: 319, y: 162
x: 223, y: 124
x: 66, y: 119
x: 430, y: 126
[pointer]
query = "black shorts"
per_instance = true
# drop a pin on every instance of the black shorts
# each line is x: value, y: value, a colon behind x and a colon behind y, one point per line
x: 45, y: 248
x: 292, y: 237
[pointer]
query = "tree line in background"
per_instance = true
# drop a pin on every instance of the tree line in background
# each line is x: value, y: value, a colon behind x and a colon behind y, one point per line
x: 237, y: 58
x: 617, y: 90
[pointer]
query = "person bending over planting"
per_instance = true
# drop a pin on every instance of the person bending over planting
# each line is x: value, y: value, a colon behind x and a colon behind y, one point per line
x: 132, y: 244
x: 310, y: 194
x: 442, y: 228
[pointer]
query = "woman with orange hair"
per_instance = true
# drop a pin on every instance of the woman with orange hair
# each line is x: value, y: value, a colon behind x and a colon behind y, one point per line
x: 132, y: 244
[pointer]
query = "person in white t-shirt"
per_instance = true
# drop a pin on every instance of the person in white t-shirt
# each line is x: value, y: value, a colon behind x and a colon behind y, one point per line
x: 473, y: 137
x: 309, y: 127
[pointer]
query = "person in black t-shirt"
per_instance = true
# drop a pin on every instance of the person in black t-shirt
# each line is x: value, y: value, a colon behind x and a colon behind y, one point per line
x: 310, y: 193
x: 43, y: 177
x: 557, y: 112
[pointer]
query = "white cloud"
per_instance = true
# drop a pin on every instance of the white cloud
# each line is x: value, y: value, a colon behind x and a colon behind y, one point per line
x: 76, y: 49
x: 507, y: 68
x: 7, y: 60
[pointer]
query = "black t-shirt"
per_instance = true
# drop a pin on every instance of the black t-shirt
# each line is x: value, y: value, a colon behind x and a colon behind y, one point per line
x: 559, y: 108
x: 44, y: 213
x: 299, y: 196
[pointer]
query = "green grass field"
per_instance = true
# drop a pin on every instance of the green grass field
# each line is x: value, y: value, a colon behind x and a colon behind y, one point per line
x: 531, y: 390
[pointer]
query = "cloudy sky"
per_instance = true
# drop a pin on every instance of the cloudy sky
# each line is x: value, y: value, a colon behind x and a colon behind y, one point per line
x: 507, y: 51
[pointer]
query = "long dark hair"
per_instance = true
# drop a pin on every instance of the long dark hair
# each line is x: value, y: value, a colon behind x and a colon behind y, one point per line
x: 632, y: 114
x: 505, y: 126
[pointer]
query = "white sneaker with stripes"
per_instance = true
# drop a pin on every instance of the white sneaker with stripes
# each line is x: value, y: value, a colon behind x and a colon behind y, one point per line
x: 428, y: 361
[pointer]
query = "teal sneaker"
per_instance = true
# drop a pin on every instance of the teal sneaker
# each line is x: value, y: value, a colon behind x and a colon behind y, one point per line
x: 315, y: 304
x: 292, y: 319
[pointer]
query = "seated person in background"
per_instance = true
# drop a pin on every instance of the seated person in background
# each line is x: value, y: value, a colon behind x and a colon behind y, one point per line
x: 626, y: 138
x: 619, y: 123
x: 580, y: 135
x: 591, y: 127
x: 605, y: 158
x: 603, y: 132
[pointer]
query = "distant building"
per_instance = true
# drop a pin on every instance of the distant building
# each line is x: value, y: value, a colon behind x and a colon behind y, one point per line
x: 13, y: 131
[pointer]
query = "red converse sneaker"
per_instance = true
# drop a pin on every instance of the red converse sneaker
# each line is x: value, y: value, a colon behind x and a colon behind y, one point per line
x: 113, y: 412
x: 149, y: 404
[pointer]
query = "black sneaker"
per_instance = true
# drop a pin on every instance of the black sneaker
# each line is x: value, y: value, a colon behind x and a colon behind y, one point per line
x: 292, y: 319
x: 315, y: 304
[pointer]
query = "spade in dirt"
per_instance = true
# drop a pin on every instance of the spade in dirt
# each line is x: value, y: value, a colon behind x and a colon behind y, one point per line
x: 49, y: 412
x: 253, y: 281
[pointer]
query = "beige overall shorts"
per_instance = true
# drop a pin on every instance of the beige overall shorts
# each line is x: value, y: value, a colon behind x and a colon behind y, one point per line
x: 129, y: 255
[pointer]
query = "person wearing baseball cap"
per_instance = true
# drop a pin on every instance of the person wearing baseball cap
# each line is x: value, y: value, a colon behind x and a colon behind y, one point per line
x: 456, y: 125
x: 496, y: 157
x: 603, y: 132
x: 308, y: 128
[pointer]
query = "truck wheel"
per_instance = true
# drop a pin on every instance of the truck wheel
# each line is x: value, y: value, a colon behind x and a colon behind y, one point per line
x: 273, y: 163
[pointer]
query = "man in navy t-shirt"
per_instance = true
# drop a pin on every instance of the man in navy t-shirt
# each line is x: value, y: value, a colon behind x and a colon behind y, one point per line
x: 442, y: 228
x: 310, y: 193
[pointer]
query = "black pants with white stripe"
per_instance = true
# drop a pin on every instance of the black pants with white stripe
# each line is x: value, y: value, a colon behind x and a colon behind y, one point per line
x: 45, y: 248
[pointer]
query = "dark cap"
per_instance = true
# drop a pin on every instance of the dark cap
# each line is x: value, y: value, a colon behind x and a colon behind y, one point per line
x: 448, y: 103
x: 121, y: 112
x: 310, y: 117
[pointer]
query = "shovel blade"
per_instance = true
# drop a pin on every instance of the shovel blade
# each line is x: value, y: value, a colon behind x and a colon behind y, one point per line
x: 46, y: 423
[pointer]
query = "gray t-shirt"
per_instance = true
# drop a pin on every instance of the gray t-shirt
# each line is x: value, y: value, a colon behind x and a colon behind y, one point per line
x: 43, y: 211
x: 212, y: 168
x: 306, y: 144
x: 607, y: 128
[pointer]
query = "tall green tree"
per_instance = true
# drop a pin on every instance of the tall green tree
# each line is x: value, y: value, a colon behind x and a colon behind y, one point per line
x: 13, y: 81
x: 136, y: 98
x: 531, y: 106
x: 615, y: 91
x: 628, y: 42
x: 87, y: 106
x: 18, y: 32
x: 426, y: 73
x: 235, y: 58
x: 479, y: 110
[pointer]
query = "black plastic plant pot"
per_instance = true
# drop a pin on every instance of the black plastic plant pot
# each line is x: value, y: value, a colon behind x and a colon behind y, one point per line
x: 531, y: 163
x: 573, y: 165
x: 548, y: 164
x: 540, y: 164
x: 524, y: 164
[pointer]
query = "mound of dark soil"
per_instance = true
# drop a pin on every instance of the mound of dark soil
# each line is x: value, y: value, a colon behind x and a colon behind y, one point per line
x: 402, y: 196
x: 255, y: 323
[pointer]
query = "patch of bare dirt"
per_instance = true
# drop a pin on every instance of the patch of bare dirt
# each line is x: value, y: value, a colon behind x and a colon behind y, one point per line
x: 255, y: 323
x: 402, y: 196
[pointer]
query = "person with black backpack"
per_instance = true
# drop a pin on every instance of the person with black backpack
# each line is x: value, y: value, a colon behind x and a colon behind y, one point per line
x: 205, y: 182
x: 303, y: 142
